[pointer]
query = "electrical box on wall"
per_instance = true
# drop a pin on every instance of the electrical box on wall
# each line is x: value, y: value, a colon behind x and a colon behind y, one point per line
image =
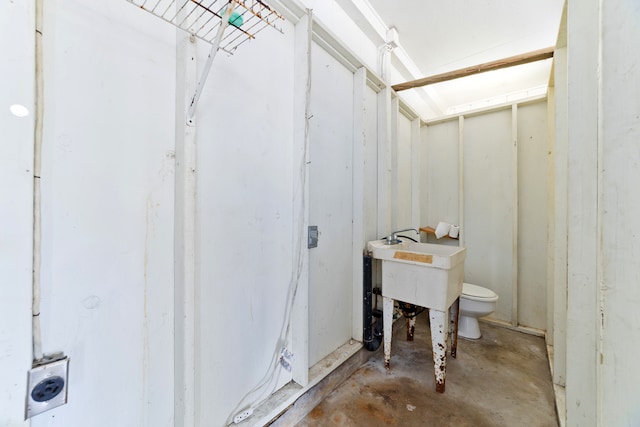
x: 47, y: 385
x: 312, y: 237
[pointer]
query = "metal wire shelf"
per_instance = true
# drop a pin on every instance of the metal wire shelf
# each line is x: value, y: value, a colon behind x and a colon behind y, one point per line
x: 203, y: 18
x: 209, y: 20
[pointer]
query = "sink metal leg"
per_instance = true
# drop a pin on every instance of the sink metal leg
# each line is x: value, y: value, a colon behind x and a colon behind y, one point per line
x: 454, y: 312
x: 409, y: 312
x: 439, y: 333
x: 411, y: 327
x: 387, y: 313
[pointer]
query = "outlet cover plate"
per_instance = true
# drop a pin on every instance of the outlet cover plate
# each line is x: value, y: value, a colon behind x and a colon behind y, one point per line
x: 47, y: 386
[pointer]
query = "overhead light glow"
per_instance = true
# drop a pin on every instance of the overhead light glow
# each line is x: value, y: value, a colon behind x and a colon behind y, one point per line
x: 19, y: 110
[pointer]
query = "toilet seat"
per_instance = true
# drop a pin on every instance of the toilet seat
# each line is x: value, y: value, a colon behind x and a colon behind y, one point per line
x: 478, y: 293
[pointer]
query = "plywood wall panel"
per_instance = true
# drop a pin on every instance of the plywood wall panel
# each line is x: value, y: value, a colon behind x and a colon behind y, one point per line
x: 403, y: 168
x: 442, y: 164
x: 330, y: 205
x: 489, y: 204
x: 532, y: 215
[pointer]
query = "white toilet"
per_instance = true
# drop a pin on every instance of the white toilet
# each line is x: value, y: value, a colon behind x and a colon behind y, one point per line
x: 475, y: 302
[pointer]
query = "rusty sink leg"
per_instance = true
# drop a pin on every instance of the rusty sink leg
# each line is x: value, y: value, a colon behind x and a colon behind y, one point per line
x: 387, y: 313
x: 439, y: 326
x: 454, y: 312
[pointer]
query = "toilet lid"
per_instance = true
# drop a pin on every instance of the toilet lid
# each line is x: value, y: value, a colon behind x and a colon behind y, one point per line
x: 477, y: 291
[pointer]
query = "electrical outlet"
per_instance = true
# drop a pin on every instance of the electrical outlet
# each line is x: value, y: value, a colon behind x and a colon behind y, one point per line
x: 242, y: 416
x: 47, y: 385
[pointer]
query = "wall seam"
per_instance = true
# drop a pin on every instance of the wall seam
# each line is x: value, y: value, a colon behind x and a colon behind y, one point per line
x: 514, y: 236
x: 461, y: 236
x: 600, y: 288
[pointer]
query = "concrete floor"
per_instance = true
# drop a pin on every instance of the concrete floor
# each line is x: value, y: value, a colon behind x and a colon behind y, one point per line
x: 502, y: 379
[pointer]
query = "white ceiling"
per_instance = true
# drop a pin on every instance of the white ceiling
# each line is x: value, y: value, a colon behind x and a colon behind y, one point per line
x: 446, y: 35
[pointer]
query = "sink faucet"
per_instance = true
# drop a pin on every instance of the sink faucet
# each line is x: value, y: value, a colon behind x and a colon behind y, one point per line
x: 392, y: 239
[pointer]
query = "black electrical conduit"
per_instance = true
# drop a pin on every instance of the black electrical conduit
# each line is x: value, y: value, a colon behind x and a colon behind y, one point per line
x: 407, y: 237
x: 372, y: 336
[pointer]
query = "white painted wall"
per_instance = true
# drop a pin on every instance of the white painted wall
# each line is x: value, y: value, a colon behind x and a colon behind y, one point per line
x: 558, y: 285
x: 489, y: 204
x: 17, y: 44
x: 603, y: 245
x: 370, y: 165
x: 532, y: 215
x: 485, y: 208
x: 109, y: 208
x: 364, y: 220
x: 403, y: 169
x: 583, y: 323
x: 107, y: 212
x: 333, y: 17
x: 441, y: 200
x: 244, y: 223
x: 330, y: 205
x: 620, y: 210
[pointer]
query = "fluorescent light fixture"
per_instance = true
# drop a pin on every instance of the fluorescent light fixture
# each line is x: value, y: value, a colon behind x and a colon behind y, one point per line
x: 19, y: 110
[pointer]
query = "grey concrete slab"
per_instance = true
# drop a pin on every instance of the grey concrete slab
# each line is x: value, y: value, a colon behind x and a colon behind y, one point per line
x: 502, y: 379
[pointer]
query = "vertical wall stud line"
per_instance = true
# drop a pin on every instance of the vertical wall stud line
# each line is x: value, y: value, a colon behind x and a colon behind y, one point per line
x: 551, y: 229
x: 561, y: 168
x: 461, y: 236
x: 415, y: 173
x: 583, y: 36
x: 384, y: 109
x: 514, y: 237
x: 392, y: 165
x: 384, y: 142
x: 425, y: 169
x: 600, y: 262
x: 359, y: 126
x: 185, y: 292
x: 300, y: 266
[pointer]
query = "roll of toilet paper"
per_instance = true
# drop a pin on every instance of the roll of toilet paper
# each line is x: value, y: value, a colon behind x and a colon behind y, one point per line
x: 442, y: 229
x: 454, y: 231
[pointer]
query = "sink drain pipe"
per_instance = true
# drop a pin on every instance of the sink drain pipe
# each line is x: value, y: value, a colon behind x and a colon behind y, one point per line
x: 372, y: 338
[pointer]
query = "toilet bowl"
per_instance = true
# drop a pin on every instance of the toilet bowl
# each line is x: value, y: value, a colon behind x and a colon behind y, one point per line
x: 475, y: 302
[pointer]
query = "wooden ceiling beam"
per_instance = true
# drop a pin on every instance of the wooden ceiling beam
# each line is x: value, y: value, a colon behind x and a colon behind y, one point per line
x: 512, y: 61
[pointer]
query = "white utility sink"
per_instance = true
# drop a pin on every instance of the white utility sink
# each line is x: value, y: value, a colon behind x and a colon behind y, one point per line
x: 423, y: 274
